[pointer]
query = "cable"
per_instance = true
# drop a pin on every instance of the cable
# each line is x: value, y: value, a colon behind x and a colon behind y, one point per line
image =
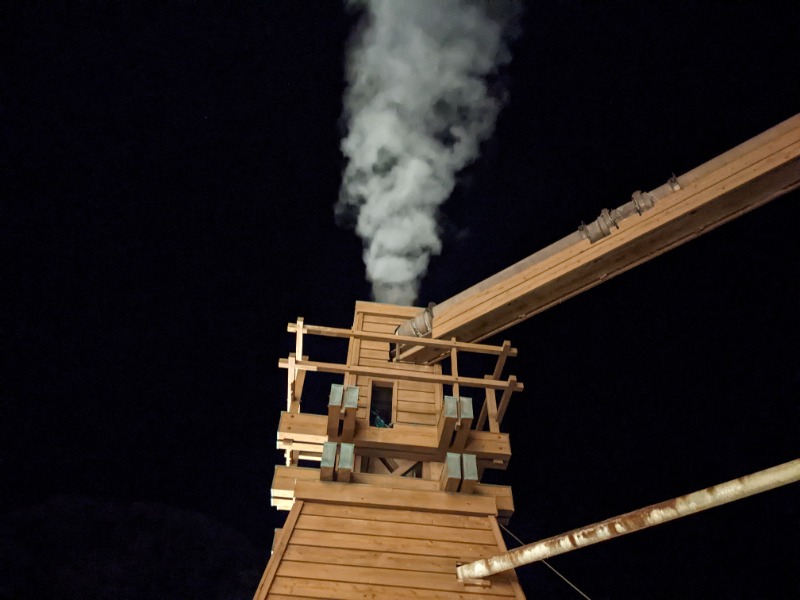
x: 547, y: 564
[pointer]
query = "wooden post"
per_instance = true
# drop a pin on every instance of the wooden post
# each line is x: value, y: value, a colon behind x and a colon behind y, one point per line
x: 454, y: 369
x: 501, y: 410
x: 344, y: 466
x: 501, y: 360
x: 447, y: 422
x: 465, y: 416
x: 335, y: 410
x: 469, y: 473
x: 488, y: 412
x: 328, y: 462
x: 451, y: 474
x: 350, y: 410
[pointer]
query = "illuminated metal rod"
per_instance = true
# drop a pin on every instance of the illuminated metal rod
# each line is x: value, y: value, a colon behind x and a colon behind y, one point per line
x: 654, y: 514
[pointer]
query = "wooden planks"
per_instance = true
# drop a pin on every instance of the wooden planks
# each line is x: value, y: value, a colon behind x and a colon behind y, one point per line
x: 389, y: 515
x: 340, y: 551
x: 370, y: 558
x: 286, y: 479
x: 416, y: 403
x: 336, y: 590
x: 394, y: 529
x: 388, y: 578
x: 422, y: 547
x: 367, y: 495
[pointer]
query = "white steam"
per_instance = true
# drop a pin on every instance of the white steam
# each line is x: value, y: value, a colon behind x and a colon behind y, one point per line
x: 423, y: 94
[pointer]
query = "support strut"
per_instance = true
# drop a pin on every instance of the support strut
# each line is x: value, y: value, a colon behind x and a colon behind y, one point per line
x: 655, y: 514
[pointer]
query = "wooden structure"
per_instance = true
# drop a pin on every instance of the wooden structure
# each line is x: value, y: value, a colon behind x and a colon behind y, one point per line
x: 384, y: 489
x: 651, y: 223
x: 384, y: 485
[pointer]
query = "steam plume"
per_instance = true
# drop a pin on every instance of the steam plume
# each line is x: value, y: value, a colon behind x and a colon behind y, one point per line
x: 423, y: 94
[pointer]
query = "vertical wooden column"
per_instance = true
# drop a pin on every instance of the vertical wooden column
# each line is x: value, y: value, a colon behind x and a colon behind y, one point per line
x: 335, y: 410
x: 465, y: 416
x: 447, y: 422
x: 350, y: 406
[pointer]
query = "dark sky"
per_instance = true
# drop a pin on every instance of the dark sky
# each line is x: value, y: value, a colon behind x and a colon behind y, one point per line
x: 168, y: 181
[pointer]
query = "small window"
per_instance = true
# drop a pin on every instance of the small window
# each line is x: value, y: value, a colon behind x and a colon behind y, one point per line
x: 380, y: 412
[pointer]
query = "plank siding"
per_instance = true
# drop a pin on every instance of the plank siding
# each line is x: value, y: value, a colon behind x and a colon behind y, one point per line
x: 396, y: 530
x: 415, y: 418
x: 426, y: 408
x: 398, y: 579
x: 373, y: 325
x: 416, y: 403
x: 389, y: 515
x: 348, y: 552
x: 336, y: 590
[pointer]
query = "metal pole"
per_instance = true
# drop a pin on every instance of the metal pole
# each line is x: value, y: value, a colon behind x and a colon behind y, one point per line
x: 654, y: 514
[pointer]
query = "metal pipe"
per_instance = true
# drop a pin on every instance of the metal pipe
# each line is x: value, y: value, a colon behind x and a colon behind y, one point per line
x: 420, y: 325
x: 649, y: 516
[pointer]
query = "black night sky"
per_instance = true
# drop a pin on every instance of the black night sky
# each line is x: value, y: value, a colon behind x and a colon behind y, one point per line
x: 168, y: 178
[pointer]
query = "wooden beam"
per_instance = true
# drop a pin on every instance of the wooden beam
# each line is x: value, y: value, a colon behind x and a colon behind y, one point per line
x: 292, y: 405
x: 395, y: 529
x: 350, y: 406
x: 367, y: 307
x: 366, y: 495
x: 298, y: 344
x: 454, y: 368
x: 404, y: 467
x: 328, y: 462
x: 722, y: 189
x: 451, y: 474
x: 286, y: 479
x: 447, y: 423
x: 512, y: 387
x: 489, y: 411
x: 302, y: 447
x: 396, y: 373
x: 469, y: 473
x: 411, y: 547
x: 465, y: 417
x: 411, y: 443
x: 345, y: 462
x: 335, y: 410
x: 400, y: 339
x: 501, y: 360
x: 303, y: 427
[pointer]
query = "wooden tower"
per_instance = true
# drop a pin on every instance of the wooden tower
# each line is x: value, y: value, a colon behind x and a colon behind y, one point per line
x: 384, y: 491
x: 383, y: 486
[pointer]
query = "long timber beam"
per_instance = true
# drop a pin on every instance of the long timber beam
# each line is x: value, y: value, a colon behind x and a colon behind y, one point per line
x: 652, y: 515
x: 733, y: 183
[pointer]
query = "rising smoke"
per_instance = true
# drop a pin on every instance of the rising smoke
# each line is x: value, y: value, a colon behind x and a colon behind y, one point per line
x: 423, y: 94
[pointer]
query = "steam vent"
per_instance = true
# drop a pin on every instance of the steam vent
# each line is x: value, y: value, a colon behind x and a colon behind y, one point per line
x: 384, y: 489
